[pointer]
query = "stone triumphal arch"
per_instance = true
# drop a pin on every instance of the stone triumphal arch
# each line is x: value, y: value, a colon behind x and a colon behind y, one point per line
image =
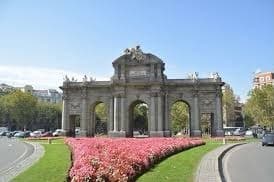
x: 139, y: 77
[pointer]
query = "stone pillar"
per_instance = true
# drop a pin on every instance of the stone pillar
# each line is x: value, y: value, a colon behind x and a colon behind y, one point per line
x: 152, y: 128
x: 84, y: 117
x: 123, y: 119
x: 156, y: 116
x: 118, y: 118
x: 195, y: 125
x: 115, y: 115
x: 167, y: 132
x: 65, y: 115
x: 219, y: 123
x: 111, y: 120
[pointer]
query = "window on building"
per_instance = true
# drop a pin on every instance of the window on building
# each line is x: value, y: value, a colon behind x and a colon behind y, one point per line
x: 268, y: 78
x: 262, y: 79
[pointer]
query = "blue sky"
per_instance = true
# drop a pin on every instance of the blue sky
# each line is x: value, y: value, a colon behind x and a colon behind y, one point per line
x: 41, y: 41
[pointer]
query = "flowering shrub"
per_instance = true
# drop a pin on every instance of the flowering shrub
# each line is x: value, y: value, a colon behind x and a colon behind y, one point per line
x: 120, y: 159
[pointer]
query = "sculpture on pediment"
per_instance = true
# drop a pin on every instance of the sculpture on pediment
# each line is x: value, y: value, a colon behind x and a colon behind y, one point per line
x: 85, y: 79
x: 136, y: 53
x: 215, y: 75
x: 66, y: 79
x: 193, y: 76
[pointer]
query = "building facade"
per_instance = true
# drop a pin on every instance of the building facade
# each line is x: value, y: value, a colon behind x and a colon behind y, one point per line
x: 139, y: 78
x: 263, y: 78
x: 50, y: 95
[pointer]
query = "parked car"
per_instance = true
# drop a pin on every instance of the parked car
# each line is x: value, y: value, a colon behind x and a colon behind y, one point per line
x: 3, y: 133
x: 36, y: 134
x: 46, y: 134
x: 20, y: 134
x: 249, y: 133
x: 58, y: 132
x: 268, y: 139
x: 27, y: 133
x: 239, y: 132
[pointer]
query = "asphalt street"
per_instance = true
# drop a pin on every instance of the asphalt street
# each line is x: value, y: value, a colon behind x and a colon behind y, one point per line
x: 12, y: 151
x: 250, y: 162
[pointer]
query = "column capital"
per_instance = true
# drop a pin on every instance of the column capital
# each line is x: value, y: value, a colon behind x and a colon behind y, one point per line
x: 195, y: 93
x: 84, y: 93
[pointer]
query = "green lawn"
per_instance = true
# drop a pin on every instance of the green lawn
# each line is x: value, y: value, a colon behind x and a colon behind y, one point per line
x: 179, y: 167
x: 53, y: 166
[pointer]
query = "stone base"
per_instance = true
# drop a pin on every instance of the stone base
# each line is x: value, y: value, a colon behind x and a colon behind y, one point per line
x: 220, y: 133
x: 195, y: 133
x: 156, y: 133
x: 83, y: 133
x: 117, y: 134
x: 167, y: 133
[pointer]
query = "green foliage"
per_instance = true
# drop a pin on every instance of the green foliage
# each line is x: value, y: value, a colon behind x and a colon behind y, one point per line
x: 23, y: 110
x: 21, y: 107
x: 47, y: 115
x: 140, y: 117
x: 259, y: 108
x: 179, y: 116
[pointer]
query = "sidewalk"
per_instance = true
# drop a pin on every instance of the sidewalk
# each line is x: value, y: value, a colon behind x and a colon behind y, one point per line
x: 208, y: 169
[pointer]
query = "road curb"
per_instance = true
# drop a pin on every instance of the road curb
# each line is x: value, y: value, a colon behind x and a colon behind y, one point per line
x: 220, y: 161
x: 23, y: 165
x: 210, y: 167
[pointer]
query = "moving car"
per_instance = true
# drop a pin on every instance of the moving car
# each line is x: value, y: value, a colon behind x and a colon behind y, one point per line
x: 268, y: 139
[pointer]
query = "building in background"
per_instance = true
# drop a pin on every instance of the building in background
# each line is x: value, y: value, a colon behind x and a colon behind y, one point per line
x: 50, y: 95
x: 263, y: 78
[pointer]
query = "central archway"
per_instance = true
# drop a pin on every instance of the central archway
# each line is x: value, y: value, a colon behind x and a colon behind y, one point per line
x: 180, y: 118
x: 138, y: 117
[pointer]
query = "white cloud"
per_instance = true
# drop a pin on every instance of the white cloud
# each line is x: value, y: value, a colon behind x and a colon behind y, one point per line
x: 39, y: 78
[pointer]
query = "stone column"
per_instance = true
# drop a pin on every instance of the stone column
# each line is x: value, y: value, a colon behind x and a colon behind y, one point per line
x: 195, y: 126
x: 84, y: 117
x: 111, y: 120
x: 167, y: 132
x: 65, y: 115
x: 118, y: 118
x: 152, y: 114
x: 123, y: 119
x: 218, y: 112
x: 160, y: 115
x: 115, y: 115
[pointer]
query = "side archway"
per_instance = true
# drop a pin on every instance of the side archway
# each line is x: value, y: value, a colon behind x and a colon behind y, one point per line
x: 138, y: 119
x: 99, y: 119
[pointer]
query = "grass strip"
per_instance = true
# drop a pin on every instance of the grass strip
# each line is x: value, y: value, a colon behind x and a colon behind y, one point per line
x: 52, y: 167
x: 179, y: 167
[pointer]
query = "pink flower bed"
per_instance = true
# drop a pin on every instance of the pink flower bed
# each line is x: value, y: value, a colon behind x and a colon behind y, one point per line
x: 120, y: 159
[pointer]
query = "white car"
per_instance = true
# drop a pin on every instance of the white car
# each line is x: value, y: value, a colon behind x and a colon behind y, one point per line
x: 248, y: 133
x: 58, y: 132
x: 36, y: 134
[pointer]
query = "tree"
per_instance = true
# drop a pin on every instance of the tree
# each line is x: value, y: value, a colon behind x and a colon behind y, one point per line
x: 140, y: 118
x: 259, y: 108
x: 20, y: 107
x: 228, y: 104
x: 179, y: 116
x: 48, y: 115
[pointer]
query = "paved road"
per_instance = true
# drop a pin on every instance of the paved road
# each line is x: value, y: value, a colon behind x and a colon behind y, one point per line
x: 12, y: 151
x: 250, y: 162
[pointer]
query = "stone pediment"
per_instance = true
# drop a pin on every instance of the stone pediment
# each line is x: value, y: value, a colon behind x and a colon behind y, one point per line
x: 135, y: 56
x: 134, y: 65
